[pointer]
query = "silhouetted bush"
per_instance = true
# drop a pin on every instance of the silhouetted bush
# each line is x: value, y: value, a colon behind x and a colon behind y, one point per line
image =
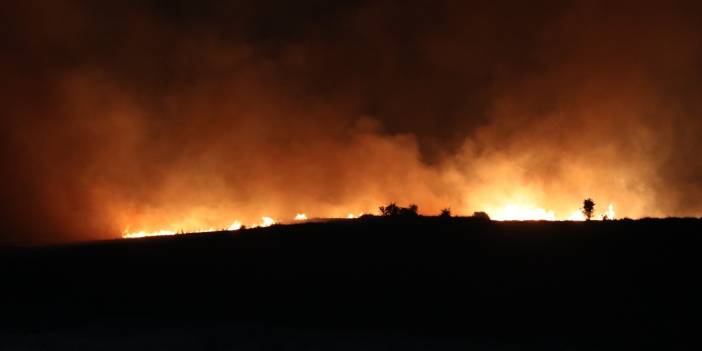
x: 410, y: 211
x: 445, y: 213
x: 392, y: 210
x: 481, y: 215
x: 588, y: 208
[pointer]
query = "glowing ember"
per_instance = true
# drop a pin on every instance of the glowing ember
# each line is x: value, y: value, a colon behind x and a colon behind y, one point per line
x: 300, y: 217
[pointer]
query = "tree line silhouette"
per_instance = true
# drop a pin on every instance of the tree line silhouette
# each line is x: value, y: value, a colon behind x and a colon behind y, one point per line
x: 393, y: 210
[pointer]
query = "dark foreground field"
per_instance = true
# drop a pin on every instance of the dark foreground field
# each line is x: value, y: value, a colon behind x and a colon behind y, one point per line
x: 370, y: 284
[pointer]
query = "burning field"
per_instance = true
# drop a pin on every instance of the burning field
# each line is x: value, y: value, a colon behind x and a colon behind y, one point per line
x: 125, y: 119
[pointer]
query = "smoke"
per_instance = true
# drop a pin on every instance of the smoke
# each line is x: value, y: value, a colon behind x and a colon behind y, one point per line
x: 192, y: 115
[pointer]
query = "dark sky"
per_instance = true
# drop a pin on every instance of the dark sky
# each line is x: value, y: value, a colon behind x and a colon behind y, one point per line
x: 187, y: 114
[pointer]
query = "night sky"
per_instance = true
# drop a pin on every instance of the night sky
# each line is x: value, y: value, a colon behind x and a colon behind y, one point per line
x: 145, y: 115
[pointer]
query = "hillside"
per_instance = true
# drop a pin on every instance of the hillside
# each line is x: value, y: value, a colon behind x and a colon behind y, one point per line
x: 441, y: 282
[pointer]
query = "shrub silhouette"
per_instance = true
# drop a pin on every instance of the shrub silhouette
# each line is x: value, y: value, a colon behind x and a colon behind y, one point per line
x: 445, y: 213
x: 481, y: 215
x: 392, y: 210
x: 588, y: 208
x: 409, y: 211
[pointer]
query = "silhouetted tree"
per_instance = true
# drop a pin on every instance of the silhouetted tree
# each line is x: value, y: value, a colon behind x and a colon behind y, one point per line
x: 389, y: 210
x: 481, y: 215
x: 588, y: 208
x: 445, y: 213
x: 409, y: 211
x: 392, y: 210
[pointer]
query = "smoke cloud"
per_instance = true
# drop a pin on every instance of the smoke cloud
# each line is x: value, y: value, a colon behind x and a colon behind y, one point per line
x: 184, y: 115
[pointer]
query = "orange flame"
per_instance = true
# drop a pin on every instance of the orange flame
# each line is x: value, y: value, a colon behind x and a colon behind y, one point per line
x: 515, y: 212
x: 236, y: 225
x: 518, y: 211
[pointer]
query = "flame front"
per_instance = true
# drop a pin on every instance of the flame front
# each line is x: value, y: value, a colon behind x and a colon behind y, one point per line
x: 530, y: 212
x: 266, y: 222
x: 234, y: 226
x: 523, y: 213
x: 143, y: 234
x: 518, y: 211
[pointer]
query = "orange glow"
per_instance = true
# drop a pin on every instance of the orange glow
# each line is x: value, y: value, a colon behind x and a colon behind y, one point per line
x: 522, y: 209
x: 514, y: 212
x: 238, y: 133
x: 610, y: 212
x: 533, y: 213
x: 162, y: 232
x: 234, y: 226
x: 143, y: 234
x: 266, y: 222
x: 576, y: 215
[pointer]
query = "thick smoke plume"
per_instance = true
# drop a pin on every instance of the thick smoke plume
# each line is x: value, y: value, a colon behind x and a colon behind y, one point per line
x: 194, y: 114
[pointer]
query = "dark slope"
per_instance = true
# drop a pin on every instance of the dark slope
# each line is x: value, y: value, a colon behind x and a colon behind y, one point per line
x: 445, y: 282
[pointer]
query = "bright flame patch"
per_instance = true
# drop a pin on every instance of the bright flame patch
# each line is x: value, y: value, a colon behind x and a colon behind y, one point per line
x: 513, y: 212
x: 143, y: 234
x: 234, y: 226
x: 266, y: 222
x: 510, y: 212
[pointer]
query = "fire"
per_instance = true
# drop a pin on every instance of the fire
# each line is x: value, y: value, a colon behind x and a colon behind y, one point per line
x: 265, y: 222
x: 514, y: 212
x: 234, y: 226
x: 143, y: 234
x: 163, y: 232
x: 610, y: 212
x: 576, y: 215
x: 518, y: 211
